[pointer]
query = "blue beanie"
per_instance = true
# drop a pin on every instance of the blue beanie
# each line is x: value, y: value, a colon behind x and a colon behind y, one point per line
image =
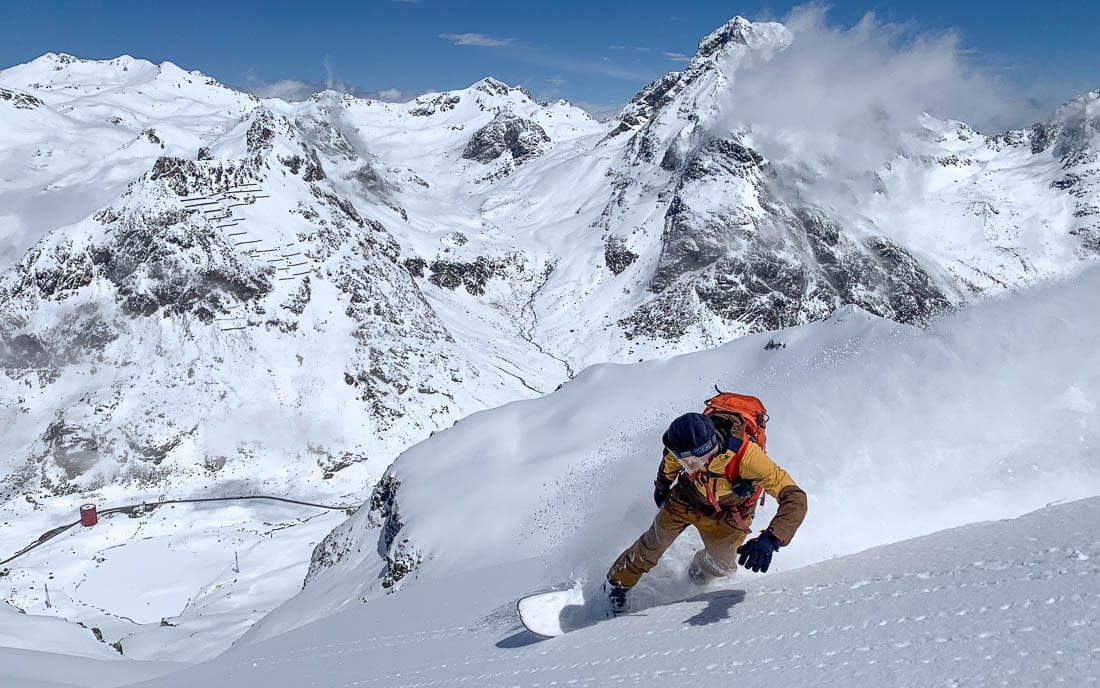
x: 691, y: 432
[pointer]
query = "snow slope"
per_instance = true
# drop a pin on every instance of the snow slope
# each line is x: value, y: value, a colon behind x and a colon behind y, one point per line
x: 989, y: 414
x: 1011, y: 602
x: 892, y: 431
x: 541, y: 493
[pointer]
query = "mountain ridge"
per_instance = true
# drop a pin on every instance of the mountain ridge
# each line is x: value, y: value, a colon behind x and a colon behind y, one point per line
x: 688, y: 235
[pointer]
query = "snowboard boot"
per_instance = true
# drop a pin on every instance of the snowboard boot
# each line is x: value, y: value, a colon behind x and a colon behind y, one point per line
x: 616, y: 597
x: 696, y: 575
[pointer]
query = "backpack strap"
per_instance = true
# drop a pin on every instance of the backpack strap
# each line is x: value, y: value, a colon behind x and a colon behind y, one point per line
x: 733, y: 468
x: 733, y: 474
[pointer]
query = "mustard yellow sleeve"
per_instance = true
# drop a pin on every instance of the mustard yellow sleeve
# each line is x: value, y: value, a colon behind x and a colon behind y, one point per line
x: 669, y: 469
x: 756, y: 466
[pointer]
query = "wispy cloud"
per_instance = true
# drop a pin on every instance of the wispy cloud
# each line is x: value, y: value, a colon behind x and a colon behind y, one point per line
x: 678, y: 57
x: 476, y: 39
x: 292, y: 90
x: 850, y: 93
x: 394, y: 94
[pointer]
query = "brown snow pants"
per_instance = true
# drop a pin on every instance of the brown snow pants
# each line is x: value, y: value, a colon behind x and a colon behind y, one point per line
x: 718, y: 558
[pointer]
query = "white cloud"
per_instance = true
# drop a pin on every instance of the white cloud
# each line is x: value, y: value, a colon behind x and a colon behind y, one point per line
x: 850, y: 92
x: 476, y: 39
x: 678, y: 57
x: 292, y: 90
x: 393, y: 94
x: 289, y: 89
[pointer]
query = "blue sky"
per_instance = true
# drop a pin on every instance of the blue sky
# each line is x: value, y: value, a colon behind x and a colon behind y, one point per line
x: 587, y: 51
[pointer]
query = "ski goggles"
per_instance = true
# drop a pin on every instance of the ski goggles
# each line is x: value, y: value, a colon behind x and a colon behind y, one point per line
x: 702, y: 450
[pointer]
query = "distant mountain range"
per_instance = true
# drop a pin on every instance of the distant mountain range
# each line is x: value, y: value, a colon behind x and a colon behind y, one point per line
x: 202, y: 287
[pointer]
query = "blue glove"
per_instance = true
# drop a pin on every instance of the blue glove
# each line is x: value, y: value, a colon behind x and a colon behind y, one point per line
x: 756, y: 554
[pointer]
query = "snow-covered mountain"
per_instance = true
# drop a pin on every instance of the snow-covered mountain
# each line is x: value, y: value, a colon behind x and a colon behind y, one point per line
x: 208, y: 293
x: 893, y: 431
x: 870, y: 417
x: 405, y: 236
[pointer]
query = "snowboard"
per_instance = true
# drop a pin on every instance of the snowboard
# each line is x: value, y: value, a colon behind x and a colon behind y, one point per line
x: 554, y: 613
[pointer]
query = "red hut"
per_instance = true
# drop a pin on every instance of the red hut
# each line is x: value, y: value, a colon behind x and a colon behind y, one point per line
x: 88, y: 516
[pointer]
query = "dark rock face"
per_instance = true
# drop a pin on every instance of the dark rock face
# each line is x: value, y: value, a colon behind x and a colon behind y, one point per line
x: 261, y: 133
x: 1071, y: 139
x: 54, y: 272
x: 442, y: 103
x: 522, y: 138
x: 309, y: 166
x: 617, y: 256
x: 732, y: 32
x: 649, y: 100
x: 400, y: 557
x: 722, y: 156
x: 191, y: 178
x: 766, y: 266
x: 474, y: 276
x: 415, y: 266
x: 492, y: 87
x: 21, y: 101
x: 383, y: 515
x: 167, y: 262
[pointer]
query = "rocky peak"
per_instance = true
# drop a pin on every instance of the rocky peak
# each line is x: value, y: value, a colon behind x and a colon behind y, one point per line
x: 741, y: 32
x: 734, y: 31
x: 56, y: 59
x: 21, y: 101
x: 492, y: 87
x: 718, y: 54
x: 522, y: 138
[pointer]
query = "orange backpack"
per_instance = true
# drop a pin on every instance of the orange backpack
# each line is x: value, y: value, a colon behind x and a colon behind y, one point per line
x: 749, y: 408
x: 755, y: 418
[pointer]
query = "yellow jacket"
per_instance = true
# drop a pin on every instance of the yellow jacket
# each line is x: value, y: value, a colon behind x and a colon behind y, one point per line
x: 712, y: 492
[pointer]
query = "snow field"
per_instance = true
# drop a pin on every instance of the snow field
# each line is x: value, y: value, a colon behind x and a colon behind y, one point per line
x: 1011, y: 602
x: 178, y: 564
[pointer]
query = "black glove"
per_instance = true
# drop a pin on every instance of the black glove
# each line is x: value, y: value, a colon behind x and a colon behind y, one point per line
x: 756, y: 554
x: 661, y: 490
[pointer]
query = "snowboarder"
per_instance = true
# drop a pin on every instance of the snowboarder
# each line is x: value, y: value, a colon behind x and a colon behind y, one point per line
x: 711, y: 476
